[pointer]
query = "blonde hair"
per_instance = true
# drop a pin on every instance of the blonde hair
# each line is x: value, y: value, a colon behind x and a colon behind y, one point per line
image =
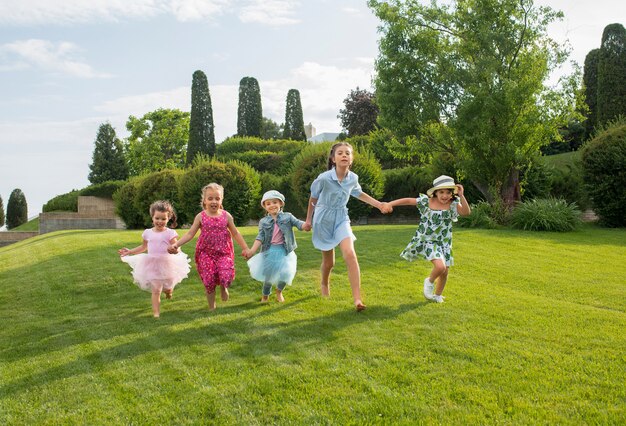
x: 214, y: 186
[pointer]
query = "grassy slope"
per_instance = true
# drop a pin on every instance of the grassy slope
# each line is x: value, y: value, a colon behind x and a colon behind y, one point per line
x: 532, y: 332
x: 31, y: 225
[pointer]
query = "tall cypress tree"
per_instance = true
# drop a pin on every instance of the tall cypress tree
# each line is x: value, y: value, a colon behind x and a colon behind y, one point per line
x: 1, y: 213
x: 590, y: 80
x: 201, y: 127
x: 109, y: 162
x: 17, y: 210
x: 294, y: 121
x: 249, y: 112
x: 612, y: 73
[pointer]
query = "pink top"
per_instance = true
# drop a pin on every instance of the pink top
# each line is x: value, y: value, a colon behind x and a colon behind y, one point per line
x: 158, y: 241
x: 277, y: 236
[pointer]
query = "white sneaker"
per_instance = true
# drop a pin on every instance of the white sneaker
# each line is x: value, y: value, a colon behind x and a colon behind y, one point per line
x: 437, y: 298
x: 429, y: 289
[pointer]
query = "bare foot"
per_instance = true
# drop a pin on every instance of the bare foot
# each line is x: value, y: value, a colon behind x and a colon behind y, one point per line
x: 225, y: 294
x: 359, y: 306
x: 168, y: 293
x: 265, y: 299
x: 156, y: 315
x: 326, y: 290
x: 279, y: 296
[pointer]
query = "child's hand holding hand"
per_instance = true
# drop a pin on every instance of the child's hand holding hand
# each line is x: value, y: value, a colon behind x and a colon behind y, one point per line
x: 306, y: 226
x: 123, y: 252
x: 172, y: 249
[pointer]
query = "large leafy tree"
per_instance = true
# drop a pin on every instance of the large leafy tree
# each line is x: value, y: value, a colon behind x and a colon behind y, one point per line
x: 612, y: 74
x: 17, y: 209
x: 201, y: 127
x: 590, y: 82
x: 157, y: 141
x: 249, y: 111
x: 468, y: 78
x: 294, y: 120
x: 1, y: 212
x: 108, y: 161
x: 271, y: 129
x: 360, y: 113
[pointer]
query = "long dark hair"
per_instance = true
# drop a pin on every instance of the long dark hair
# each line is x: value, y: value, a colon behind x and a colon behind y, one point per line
x: 332, y: 153
x: 164, y: 207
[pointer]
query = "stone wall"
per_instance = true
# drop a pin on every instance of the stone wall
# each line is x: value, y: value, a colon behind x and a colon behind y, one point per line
x: 93, y: 213
x: 11, y: 237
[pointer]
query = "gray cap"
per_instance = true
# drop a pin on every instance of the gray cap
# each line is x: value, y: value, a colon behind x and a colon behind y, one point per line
x: 272, y: 195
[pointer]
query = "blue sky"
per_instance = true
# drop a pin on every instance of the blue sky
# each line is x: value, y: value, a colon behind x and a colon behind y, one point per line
x: 66, y: 66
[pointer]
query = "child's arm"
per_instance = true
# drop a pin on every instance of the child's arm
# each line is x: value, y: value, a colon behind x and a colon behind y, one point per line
x: 403, y: 202
x: 464, y: 208
x: 234, y: 232
x: 372, y: 202
x: 309, y: 214
x: 250, y: 252
x: 173, y: 248
x: 139, y: 249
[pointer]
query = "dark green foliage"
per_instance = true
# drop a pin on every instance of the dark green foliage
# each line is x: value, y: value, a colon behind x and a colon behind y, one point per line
x: 67, y: 202
x: 480, y: 217
x: 2, y: 217
x: 313, y: 160
x: 155, y: 186
x: 271, y: 129
x: 406, y: 182
x: 201, y: 127
x: 612, y: 74
x: 104, y: 189
x: 17, y: 209
x: 294, y: 121
x: 241, y: 184
x: 377, y: 140
x: 281, y: 183
x: 125, y: 204
x: 360, y: 113
x: 590, y: 81
x: 108, y: 161
x: 572, y: 137
x: 550, y: 214
x: 264, y: 155
x: 249, y: 112
x: 604, y: 172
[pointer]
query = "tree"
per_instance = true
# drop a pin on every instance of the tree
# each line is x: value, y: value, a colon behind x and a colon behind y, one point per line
x: 294, y: 121
x: 157, y: 141
x: 612, y: 74
x: 360, y: 113
x: 590, y: 82
x: 271, y: 129
x: 17, y: 210
x: 108, y: 161
x: 249, y: 111
x: 469, y: 79
x: 1, y: 213
x: 201, y: 127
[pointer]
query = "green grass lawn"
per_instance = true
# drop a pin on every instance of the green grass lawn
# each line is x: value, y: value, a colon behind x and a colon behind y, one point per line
x: 31, y: 225
x: 532, y: 332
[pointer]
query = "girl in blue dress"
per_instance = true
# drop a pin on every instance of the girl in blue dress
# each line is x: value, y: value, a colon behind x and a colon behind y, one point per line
x: 328, y: 215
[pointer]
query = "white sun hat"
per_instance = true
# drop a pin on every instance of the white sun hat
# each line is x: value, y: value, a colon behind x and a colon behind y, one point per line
x: 442, y: 182
x: 272, y: 195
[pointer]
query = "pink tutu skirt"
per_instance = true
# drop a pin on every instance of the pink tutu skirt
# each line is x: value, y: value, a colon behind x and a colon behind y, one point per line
x: 161, y: 271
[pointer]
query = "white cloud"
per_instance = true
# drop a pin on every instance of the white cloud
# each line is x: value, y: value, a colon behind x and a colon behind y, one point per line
x: 48, y: 56
x: 269, y: 12
x: 352, y: 11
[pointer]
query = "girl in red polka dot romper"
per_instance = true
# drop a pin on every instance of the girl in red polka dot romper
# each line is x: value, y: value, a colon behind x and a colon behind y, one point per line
x: 215, y: 257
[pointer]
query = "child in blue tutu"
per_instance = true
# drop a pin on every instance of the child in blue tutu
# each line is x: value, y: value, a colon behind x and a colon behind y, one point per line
x: 276, y: 264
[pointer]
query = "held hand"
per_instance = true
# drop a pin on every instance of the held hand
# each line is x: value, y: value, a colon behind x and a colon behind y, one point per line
x: 386, y: 208
x: 172, y: 249
x: 306, y: 226
x: 123, y: 252
x: 245, y: 253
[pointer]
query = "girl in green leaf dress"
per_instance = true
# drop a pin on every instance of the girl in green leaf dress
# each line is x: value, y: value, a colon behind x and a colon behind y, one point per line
x: 432, y: 241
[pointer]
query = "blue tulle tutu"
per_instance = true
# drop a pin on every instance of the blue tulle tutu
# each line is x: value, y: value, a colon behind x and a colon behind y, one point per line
x: 274, y: 265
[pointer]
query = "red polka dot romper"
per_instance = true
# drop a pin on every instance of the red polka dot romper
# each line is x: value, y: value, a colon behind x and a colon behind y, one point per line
x: 215, y: 256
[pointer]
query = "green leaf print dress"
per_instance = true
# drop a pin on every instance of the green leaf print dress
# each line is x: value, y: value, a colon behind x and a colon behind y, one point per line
x: 433, y: 238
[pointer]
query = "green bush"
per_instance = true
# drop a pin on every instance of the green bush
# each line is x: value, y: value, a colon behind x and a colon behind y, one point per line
x: 155, y: 186
x: 242, y: 187
x: 313, y: 160
x: 604, y: 173
x: 104, y: 189
x: 17, y: 209
x: 63, y: 203
x: 549, y: 214
x: 263, y: 161
x: 480, y: 217
x: 124, y: 199
x: 281, y: 183
x: 407, y: 182
x: 245, y: 144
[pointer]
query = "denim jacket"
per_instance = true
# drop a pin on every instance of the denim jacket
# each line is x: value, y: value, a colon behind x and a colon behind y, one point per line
x: 286, y: 222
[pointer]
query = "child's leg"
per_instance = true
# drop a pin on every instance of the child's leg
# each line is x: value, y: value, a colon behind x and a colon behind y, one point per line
x: 156, y: 302
x: 328, y: 262
x: 354, y: 271
x: 267, y: 289
x: 441, y: 282
x: 210, y: 297
x: 279, y: 292
x: 224, y: 293
x: 439, y: 267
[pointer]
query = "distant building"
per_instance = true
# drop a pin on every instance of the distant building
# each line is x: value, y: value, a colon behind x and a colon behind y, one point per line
x: 309, y: 130
x: 324, y: 137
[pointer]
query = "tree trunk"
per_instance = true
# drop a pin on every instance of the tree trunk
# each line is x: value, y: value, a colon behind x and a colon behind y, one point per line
x: 510, y: 192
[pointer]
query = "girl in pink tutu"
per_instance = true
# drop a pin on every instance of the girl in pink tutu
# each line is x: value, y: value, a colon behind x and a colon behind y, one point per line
x: 158, y: 271
x: 215, y: 256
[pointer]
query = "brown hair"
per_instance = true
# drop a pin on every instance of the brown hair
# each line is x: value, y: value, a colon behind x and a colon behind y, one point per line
x: 214, y: 186
x: 164, y: 207
x: 332, y: 153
